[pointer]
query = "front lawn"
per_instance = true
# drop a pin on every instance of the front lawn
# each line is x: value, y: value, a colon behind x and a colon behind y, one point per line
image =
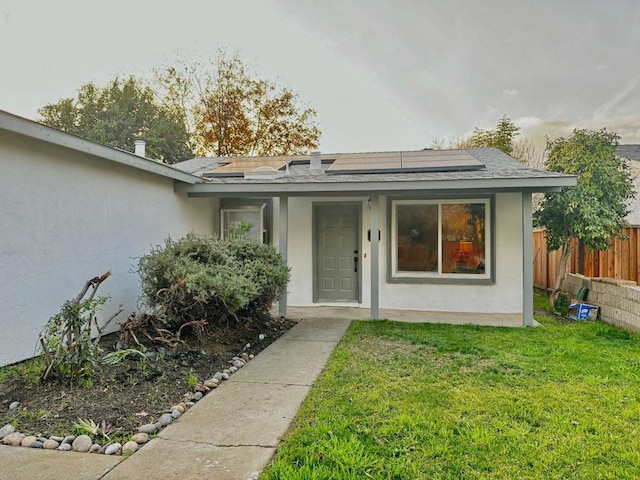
x: 420, y: 401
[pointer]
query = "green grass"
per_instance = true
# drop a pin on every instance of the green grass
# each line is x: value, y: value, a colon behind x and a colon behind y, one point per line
x: 420, y: 401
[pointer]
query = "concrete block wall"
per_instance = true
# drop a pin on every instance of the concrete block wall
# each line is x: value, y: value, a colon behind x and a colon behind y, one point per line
x: 619, y: 300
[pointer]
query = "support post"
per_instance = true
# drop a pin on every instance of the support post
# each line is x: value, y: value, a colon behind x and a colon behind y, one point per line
x: 375, y: 258
x: 527, y: 261
x: 283, y: 230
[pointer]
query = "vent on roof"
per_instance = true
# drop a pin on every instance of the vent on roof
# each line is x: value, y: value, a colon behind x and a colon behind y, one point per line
x: 140, y: 147
x: 315, y: 162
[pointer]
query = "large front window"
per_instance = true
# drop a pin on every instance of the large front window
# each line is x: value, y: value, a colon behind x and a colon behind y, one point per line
x: 440, y: 238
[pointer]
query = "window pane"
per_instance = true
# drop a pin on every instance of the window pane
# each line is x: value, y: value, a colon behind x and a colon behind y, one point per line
x: 417, y: 238
x: 463, y: 238
x: 245, y: 218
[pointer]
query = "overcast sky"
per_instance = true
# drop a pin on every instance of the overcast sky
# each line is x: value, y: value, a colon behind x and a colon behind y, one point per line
x: 383, y: 75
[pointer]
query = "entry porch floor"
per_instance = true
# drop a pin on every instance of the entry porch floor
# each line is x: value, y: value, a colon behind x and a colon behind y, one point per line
x: 412, y: 316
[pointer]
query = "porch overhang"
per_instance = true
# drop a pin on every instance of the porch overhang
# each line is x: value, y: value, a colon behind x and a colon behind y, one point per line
x: 250, y: 188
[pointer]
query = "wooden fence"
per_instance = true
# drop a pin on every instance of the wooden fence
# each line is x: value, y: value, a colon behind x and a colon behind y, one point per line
x: 621, y: 261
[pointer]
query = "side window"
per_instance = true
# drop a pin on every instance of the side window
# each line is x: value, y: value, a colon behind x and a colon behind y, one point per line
x: 249, y: 220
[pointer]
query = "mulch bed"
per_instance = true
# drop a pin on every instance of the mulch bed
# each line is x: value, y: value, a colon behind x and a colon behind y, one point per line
x: 131, y: 393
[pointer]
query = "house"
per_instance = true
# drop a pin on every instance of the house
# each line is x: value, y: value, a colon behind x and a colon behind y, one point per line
x: 431, y: 231
x: 632, y: 154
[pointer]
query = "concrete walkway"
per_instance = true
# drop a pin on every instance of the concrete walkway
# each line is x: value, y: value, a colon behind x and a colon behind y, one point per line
x: 230, y: 434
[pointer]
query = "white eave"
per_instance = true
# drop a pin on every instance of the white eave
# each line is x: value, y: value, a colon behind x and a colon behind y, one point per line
x: 29, y: 128
x: 536, y: 184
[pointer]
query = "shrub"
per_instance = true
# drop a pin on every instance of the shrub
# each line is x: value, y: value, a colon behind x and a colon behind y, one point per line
x: 204, y: 278
x: 66, y: 341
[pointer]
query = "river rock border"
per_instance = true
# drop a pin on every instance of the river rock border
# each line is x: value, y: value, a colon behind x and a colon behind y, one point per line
x: 84, y: 443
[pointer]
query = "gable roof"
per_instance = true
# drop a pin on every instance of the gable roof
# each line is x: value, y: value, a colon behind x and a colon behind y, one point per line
x: 34, y: 130
x: 501, y: 172
x: 632, y: 152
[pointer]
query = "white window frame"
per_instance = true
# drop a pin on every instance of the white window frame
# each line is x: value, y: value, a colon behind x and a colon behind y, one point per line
x: 439, y: 275
x: 224, y: 219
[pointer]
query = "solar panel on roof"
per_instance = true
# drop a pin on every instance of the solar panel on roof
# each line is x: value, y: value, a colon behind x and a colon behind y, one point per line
x: 405, y: 162
x: 238, y: 166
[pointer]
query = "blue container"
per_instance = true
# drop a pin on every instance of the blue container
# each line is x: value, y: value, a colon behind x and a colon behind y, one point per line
x: 583, y: 311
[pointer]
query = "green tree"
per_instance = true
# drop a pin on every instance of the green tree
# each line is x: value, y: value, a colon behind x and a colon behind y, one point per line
x: 501, y: 137
x: 231, y: 112
x: 593, y: 211
x: 119, y: 114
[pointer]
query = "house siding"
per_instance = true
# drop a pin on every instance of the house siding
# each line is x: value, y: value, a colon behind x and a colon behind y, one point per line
x: 68, y: 216
x: 503, y: 296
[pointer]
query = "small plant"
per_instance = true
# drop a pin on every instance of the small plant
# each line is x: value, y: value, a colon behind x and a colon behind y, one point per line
x: 114, y: 358
x: 192, y: 380
x: 561, y: 306
x: 89, y: 427
x: 66, y: 339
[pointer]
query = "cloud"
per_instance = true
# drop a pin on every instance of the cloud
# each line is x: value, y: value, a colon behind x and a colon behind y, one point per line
x: 621, y: 98
x: 510, y: 93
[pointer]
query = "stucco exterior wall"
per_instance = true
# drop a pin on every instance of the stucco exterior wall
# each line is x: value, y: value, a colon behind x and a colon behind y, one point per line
x: 67, y: 217
x: 505, y: 296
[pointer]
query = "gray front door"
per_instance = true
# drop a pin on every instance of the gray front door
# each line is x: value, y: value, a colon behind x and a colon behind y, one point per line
x: 337, y: 254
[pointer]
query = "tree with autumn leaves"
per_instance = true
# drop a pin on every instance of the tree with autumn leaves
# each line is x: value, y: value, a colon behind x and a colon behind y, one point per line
x: 215, y: 108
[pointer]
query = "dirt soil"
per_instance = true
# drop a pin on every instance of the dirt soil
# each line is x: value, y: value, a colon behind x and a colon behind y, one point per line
x: 132, y: 393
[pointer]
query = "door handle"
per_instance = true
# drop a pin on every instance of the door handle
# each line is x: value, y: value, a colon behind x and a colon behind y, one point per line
x: 355, y: 264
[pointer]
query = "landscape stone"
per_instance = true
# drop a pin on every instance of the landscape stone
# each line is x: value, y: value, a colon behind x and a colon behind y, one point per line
x: 6, y: 430
x: 238, y: 363
x: 217, y: 376
x: 82, y: 443
x: 65, y: 447
x: 50, y: 444
x: 140, y: 438
x: 95, y: 448
x: 225, y: 376
x: 130, y: 447
x: 57, y: 439
x: 197, y: 395
x: 42, y: 439
x: 28, y: 440
x: 227, y: 371
x: 14, y: 405
x: 165, y: 419
x: 148, y: 428
x: 13, y: 439
x: 36, y: 444
x: 251, y: 356
x: 178, y: 407
x: 175, y: 414
x: 245, y: 357
x: 113, y: 449
x: 233, y: 369
x: 211, y: 383
x: 190, y: 404
x: 69, y: 439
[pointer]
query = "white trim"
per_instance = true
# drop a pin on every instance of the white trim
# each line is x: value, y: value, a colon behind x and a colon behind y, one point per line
x: 301, y: 188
